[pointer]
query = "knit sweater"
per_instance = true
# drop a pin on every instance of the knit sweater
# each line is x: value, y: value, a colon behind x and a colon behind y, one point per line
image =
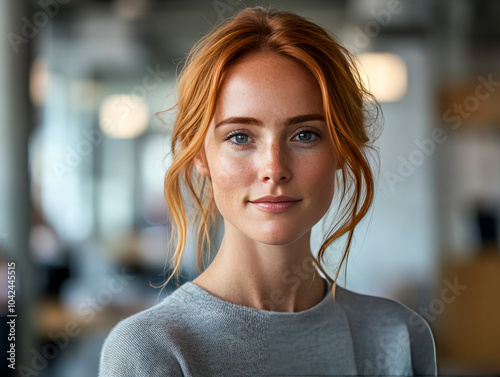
x: 194, y: 333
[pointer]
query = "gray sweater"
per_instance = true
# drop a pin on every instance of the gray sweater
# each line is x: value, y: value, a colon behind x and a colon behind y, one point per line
x: 194, y: 333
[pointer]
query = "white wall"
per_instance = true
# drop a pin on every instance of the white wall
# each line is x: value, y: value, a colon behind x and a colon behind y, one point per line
x: 395, y: 245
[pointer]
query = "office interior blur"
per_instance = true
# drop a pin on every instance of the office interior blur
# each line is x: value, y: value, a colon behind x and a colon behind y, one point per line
x: 84, y: 146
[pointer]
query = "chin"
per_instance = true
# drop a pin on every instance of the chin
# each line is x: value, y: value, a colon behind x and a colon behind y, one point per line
x: 278, y: 237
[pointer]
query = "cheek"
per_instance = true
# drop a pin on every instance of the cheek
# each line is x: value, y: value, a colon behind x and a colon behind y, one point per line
x: 319, y: 176
x: 229, y: 177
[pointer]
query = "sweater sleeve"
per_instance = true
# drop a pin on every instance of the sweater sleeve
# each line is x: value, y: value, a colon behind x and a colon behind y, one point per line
x: 132, y: 351
x: 423, y: 349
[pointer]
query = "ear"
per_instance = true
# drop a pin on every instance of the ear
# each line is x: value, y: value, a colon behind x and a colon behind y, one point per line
x: 201, y: 163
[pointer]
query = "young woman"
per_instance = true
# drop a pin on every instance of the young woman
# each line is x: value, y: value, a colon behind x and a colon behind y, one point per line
x: 272, y: 130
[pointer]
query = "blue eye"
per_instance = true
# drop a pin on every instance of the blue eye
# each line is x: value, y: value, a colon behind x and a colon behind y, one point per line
x: 306, y: 136
x: 240, y: 138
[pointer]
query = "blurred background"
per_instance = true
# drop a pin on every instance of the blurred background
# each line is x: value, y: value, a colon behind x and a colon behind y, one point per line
x: 83, y: 156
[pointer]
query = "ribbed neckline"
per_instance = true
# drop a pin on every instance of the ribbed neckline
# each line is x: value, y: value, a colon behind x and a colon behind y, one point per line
x: 209, y: 299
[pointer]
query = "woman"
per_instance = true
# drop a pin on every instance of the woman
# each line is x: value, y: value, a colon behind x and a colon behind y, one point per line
x: 271, y: 114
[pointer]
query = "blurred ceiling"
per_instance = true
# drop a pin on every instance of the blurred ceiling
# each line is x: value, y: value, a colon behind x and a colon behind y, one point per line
x: 116, y: 34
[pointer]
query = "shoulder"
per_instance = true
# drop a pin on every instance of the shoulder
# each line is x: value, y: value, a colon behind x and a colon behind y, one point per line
x: 145, y: 343
x: 391, y: 322
x: 377, y: 308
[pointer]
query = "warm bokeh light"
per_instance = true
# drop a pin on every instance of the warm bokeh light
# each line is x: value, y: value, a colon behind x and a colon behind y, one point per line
x: 385, y: 75
x: 124, y: 116
x: 39, y: 81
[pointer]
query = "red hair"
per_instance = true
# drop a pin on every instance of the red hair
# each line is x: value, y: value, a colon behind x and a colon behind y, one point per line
x: 344, y: 101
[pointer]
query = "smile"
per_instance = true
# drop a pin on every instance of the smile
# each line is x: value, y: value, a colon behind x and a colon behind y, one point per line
x: 275, y: 203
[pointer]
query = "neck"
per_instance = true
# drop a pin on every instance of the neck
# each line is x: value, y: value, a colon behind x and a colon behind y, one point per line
x: 266, y: 277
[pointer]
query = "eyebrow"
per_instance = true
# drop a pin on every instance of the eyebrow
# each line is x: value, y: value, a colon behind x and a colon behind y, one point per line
x: 256, y: 122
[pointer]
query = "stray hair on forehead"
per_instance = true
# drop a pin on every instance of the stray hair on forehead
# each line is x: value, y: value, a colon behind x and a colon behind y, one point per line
x: 351, y: 114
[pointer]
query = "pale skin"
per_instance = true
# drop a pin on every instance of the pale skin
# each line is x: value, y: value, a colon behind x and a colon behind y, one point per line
x: 262, y: 262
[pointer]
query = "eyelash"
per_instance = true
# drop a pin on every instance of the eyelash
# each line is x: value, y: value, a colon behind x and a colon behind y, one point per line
x: 234, y: 133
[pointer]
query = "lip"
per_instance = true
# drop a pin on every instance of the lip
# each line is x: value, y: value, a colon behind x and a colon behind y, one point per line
x: 270, y: 203
x: 275, y: 199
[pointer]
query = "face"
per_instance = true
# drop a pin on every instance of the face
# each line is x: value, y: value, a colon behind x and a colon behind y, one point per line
x: 267, y: 152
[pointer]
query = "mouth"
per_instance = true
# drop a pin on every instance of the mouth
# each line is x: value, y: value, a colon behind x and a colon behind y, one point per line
x: 275, y: 199
x: 275, y: 204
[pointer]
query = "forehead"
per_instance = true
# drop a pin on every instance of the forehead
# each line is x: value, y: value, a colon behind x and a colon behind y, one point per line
x: 269, y: 81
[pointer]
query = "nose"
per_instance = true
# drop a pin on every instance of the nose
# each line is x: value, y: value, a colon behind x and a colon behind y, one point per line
x: 274, y: 164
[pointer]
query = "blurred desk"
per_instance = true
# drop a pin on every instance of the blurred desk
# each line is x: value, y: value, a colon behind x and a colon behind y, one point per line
x: 467, y: 316
x: 52, y: 318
